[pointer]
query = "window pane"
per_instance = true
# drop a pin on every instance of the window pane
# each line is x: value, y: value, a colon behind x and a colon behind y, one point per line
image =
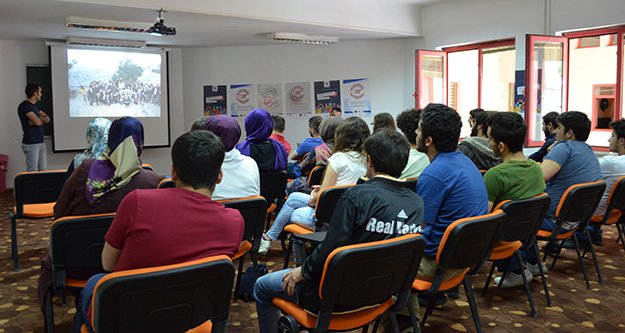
x: 462, y: 87
x: 498, y: 79
x: 431, y: 89
x: 547, y: 85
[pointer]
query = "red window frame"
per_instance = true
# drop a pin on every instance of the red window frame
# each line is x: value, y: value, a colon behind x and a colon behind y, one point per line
x: 419, y: 77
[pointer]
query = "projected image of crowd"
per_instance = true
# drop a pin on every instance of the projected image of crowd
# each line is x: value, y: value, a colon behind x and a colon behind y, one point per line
x: 122, y: 93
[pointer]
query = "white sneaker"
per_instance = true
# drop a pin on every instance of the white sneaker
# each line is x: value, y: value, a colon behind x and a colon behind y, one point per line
x: 265, y: 243
x: 513, y: 279
x: 534, y: 268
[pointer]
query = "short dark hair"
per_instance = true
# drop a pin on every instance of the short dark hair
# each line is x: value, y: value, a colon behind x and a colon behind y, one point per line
x: 198, y: 124
x: 474, y: 112
x: 278, y: 123
x: 550, y: 118
x: 314, y: 122
x: 480, y: 118
x: 388, y: 151
x: 383, y: 120
x: 337, y: 109
x: 618, y: 126
x: 31, y: 89
x: 197, y: 157
x: 576, y: 121
x: 408, y: 122
x: 442, y: 124
x: 509, y: 128
x: 351, y: 135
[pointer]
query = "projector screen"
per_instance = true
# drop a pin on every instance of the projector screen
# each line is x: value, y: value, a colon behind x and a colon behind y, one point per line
x: 90, y: 82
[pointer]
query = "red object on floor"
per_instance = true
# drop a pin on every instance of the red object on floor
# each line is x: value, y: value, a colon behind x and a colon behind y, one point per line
x: 4, y: 163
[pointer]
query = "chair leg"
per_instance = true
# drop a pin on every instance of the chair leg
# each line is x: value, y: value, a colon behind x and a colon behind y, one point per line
x: 239, y: 273
x: 287, y: 254
x: 14, y: 252
x: 429, y: 310
x: 469, y: 291
x: 528, y: 291
x: 488, y: 279
x: 557, y: 256
x: 581, y: 261
x: 621, y: 231
x: 594, y: 257
x: 413, y: 317
x: 542, y: 276
x: 49, y: 312
x: 393, y: 320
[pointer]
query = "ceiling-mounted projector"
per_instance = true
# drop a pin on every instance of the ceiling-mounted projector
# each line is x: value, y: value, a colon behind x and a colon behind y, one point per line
x: 159, y: 28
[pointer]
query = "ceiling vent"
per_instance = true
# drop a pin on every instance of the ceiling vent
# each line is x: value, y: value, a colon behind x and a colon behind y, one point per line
x: 105, y: 42
x: 287, y: 37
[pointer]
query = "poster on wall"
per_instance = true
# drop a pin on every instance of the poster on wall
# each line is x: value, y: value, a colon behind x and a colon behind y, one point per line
x: 519, y: 92
x: 215, y: 100
x: 356, y: 100
x: 242, y: 99
x: 270, y: 98
x: 327, y: 96
x: 298, y: 99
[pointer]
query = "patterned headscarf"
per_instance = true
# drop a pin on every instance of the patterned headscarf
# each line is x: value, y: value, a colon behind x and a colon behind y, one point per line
x: 97, y: 138
x: 226, y: 128
x: 258, y: 127
x: 119, y: 163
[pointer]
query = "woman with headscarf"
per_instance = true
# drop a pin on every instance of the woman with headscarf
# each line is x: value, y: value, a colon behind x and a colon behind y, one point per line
x: 241, y: 177
x: 269, y: 154
x: 97, y: 139
x: 98, y: 185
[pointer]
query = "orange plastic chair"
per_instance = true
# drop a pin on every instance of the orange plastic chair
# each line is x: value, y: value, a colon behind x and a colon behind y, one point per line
x: 614, y: 211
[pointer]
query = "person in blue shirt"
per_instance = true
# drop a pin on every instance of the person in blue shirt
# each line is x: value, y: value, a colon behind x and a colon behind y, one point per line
x: 451, y: 186
x: 306, y: 147
x: 549, y: 128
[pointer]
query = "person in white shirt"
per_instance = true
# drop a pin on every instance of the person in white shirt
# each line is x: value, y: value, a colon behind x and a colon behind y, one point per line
x: 241, y: 177
x: 613, y: 165
x: 408, y: 121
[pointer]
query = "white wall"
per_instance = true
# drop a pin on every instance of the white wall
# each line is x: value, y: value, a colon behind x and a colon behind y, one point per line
x: 15, y: 56
x: 389, y: 64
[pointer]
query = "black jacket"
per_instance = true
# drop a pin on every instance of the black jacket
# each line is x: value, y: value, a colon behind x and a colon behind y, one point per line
x: 379, y: 209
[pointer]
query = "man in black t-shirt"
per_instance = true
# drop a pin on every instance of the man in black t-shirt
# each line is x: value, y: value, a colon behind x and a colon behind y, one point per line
x: 32, y: 120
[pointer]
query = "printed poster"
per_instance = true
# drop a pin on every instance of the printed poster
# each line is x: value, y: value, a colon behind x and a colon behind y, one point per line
x: 215, y: 100
x: 242, y: 99
x: 356, y: 100
x: 327, y: 96
x: 270, y: 98
x: 298, y: 99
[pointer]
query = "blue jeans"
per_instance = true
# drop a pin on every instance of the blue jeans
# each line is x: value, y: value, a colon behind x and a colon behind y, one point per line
x: 266, y: 288
x: 295, y: 210
x: 35, y: 156
x: 84, y: 301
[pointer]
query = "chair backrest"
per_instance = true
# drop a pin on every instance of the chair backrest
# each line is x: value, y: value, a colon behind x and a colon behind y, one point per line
x: 616, y: 199
x: 364, y: 274
x: 37, y: 187
x: 580, y: 201
x: 326, y: 201
x: 272, y: 186
x: 524, y: 218
x: 467, y: 241
x: 147, y: 166
x: 77, y: 242
x: 166, y: 183
x: 172, y: 298
x: 316, y: 175
x: 410, y: 183
x: 253, y: 209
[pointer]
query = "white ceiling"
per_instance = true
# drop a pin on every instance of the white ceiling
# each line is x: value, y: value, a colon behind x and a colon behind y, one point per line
x: 214, y: 22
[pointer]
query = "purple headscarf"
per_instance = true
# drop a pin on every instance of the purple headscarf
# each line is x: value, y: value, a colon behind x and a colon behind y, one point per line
x: 116, y: 166
x: 225, y: 128
x: 258, y: 127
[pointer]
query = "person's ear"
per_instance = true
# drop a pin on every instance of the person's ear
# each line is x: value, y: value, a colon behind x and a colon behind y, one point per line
x: 621, y: 141
x: 220, y: 176
x: 428, y: 141
x: 174, y: 175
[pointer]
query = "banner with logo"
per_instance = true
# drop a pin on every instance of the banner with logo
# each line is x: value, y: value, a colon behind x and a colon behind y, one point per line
x: 242, y: 99
x: 356, y: 99
x: 298, y: 99
x: 270, y: 98
x: 327, y: 96
x: 215, y: 100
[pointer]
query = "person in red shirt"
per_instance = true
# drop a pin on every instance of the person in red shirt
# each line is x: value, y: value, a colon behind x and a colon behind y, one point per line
x: 278, y: 133
x: 169, y: 226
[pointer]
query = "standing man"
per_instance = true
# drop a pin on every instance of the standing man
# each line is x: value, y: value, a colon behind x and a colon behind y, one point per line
x: 549, y: 128
x: 32, y: 120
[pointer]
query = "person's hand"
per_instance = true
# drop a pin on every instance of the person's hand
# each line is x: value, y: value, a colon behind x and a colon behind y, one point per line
x: 312, y: 201
x: 42, y: 114
x: 291, y: 279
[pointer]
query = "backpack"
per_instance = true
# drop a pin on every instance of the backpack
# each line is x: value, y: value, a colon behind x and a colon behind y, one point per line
x: 248, y: 279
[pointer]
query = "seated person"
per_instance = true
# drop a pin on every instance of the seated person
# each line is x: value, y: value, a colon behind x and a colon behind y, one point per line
x: 345, y: 166
x: 516, y: 178
x: 549, y: 128
x: 174, y: 225
x: 98, y: 185
x: 408, y: 122
x: 613, y: 166
x: 476, y: 148
x: 472, y: 114
x: 198, y: 124
x: 278, y: 132
x: 269, y: 154
x: 309, y: 144
x: 97, y: 139
x: 379, y: 199
x: 383, y: 120
x: 336, y: 112
x: 240, y: 173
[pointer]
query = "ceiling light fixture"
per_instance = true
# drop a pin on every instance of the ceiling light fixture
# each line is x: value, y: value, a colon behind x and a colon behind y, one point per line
x: 159, y: 28
x: 287, y: 37
x: 106, y: 25
x: 105, y: 42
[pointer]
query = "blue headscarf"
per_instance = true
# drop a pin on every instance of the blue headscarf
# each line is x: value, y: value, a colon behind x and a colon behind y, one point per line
x: 97, y: 138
